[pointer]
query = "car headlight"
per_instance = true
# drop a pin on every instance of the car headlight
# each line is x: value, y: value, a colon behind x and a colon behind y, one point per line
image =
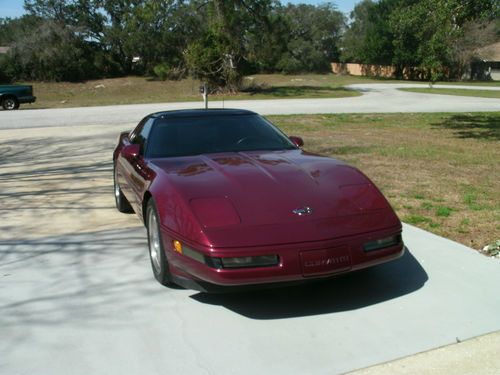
x: 182, y: 249
x: 382, y: 243
x: 254, y: 261
x: 229, y: 262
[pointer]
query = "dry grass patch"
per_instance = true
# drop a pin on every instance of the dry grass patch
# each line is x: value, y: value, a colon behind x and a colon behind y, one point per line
x: 439, y: 171
x: 134, y: 90
x: 128, y: 90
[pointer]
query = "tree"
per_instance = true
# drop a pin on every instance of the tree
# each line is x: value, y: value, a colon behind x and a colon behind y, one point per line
x: 422, y: 37
x: 119, y: 30
x: 369, y: 38
x: 427, y: 33
x: 268, y: 42
x: 313, y: 37
x: 218, y: 56
x: 49, y: 52
x: 464, y: 48
x: 11, y: 28
x: 82, y: 26
x: 85, y: 16
x: 354, y: 38
x: 159, y: 32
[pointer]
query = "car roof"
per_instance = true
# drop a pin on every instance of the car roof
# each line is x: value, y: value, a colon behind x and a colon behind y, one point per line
x: 201, y: 113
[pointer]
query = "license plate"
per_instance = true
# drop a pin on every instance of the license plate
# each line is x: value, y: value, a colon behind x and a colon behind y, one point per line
x: 325, y: 261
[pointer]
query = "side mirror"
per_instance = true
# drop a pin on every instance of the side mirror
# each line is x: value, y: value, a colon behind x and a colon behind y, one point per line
x: 123, y: 135
x: 131, y: 151
x: 297, y: 141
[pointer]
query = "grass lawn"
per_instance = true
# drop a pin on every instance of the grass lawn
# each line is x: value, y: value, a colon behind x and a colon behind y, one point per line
x: 135, y: 90
x: 439, y: 171
x: 469, y: 83
x: 459, y: 92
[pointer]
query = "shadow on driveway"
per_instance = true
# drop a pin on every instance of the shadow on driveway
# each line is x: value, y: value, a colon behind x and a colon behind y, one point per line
x: 349, y: 292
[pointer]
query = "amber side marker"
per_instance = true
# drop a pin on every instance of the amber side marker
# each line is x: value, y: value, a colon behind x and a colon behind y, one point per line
x: 177, y: 246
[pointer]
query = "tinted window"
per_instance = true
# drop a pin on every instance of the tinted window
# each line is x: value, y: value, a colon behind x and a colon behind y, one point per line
x: 142, y: 133
x: 137, y: 130
x: 211, y: 134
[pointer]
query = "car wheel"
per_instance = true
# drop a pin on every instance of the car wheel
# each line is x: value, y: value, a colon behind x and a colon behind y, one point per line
x: 156, y: 251
x: 10, y: 103
x: 122, y: 204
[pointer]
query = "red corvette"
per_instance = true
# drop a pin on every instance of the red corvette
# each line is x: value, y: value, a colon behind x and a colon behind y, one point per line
x: 228, y: 199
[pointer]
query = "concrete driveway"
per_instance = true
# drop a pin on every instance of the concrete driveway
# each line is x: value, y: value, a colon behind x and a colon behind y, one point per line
x: 77, y: 294
x: 87, y: 304
x: 376, y: 98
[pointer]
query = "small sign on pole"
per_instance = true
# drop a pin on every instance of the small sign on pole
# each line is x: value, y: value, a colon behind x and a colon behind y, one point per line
x: 204, y: 93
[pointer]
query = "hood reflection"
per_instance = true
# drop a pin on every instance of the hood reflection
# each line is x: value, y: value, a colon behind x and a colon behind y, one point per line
x: 194, y: 169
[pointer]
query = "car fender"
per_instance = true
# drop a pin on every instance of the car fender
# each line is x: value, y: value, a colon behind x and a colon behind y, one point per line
x: 176, y: 215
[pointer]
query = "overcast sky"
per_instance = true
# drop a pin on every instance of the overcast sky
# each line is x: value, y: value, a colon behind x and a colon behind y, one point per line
x: 14, y: 8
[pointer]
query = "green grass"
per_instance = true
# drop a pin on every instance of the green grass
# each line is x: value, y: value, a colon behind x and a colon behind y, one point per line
x: 458, y: 92
x: 472, y: 197
x: 418, y: 196
x: 416, y: 219
x: 470, y: 83
x: 439, y: 171
x: 426, y: 205
x: 443, y: 211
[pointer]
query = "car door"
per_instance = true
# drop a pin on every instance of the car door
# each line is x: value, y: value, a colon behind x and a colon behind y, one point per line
x: 135, y: 170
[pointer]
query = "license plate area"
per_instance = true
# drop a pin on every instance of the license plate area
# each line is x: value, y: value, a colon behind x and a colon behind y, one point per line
x: 325, y: 261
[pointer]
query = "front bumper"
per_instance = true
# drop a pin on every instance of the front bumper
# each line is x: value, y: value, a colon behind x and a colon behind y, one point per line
x: 298, y: 262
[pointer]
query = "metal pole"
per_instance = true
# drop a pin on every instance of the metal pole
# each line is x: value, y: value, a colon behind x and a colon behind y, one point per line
x: 205, y: 95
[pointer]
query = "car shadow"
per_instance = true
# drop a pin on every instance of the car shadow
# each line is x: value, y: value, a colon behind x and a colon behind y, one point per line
x: 348, y: 292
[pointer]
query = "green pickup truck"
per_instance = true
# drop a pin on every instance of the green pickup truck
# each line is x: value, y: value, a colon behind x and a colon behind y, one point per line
x: 11, y: 96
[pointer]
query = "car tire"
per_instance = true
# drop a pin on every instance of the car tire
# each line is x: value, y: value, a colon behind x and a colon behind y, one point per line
x: 10, y: 103
x: 157, y: 255
x: 122, y: 204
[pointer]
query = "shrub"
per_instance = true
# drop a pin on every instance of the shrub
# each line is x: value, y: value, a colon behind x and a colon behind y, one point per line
x: 162, y: 71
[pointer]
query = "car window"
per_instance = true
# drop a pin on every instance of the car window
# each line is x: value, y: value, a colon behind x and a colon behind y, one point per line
x: 141, y: 134
x: 137, y: 130
x: 211, y: 134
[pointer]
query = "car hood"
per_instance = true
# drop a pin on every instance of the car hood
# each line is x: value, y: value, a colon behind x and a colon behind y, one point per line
x: 261, y: 198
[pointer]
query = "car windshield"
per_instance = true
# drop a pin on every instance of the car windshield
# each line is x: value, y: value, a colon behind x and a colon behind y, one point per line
x: 184, y: 136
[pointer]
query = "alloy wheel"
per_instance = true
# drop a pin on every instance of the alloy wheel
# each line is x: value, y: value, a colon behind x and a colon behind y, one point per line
x: 154, y: 241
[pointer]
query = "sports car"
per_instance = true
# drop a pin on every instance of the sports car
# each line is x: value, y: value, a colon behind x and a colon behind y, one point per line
x: 229, y: 200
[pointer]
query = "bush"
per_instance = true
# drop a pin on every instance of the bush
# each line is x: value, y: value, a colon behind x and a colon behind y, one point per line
x: 177, y: 73
x: 162, y: 71
x: 5, y: 76
x: 289, y: 64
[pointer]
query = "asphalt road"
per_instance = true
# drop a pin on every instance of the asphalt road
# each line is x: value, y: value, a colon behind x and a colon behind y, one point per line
x: 83, y: 301
x: 376, y: 98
